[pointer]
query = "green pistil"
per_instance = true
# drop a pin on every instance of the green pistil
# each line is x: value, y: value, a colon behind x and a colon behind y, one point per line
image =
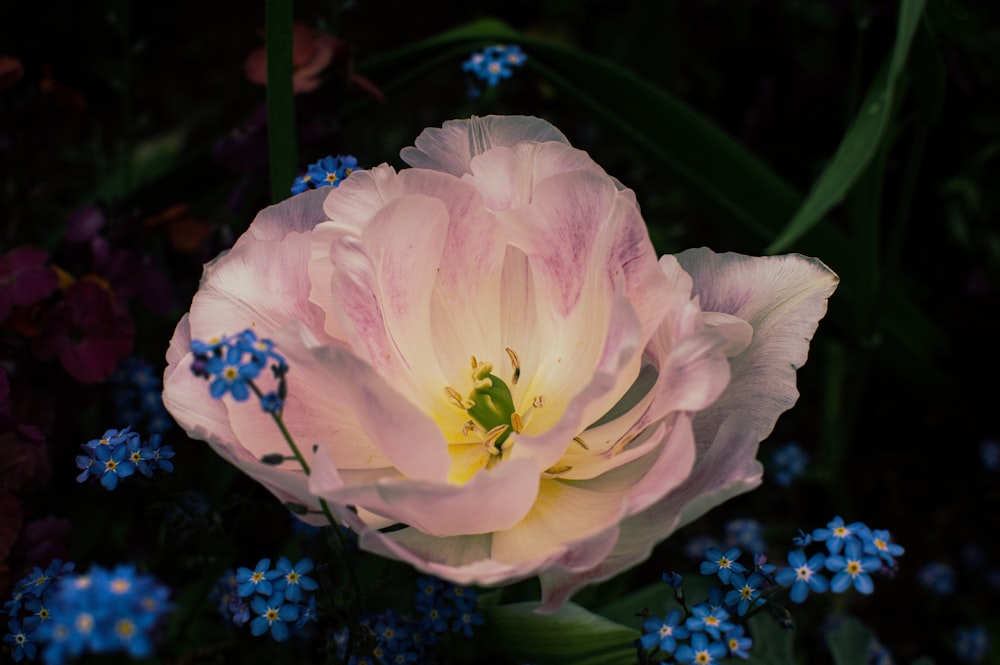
x: 492, y: 405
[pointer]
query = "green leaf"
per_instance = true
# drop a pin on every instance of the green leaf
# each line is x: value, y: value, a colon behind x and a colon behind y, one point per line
x: 863, y: 138
x: 572, y: 635
x: 648, y: 116
x: 850, y: 643
x: 772, y: 644
x: 280, y: 101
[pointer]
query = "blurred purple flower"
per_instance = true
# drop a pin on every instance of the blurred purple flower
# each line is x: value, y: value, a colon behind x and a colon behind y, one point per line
x: 24, y: 278
x: 88, y: 331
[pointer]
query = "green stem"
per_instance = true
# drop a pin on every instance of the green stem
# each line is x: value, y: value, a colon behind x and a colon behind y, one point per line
x: 280, y: 100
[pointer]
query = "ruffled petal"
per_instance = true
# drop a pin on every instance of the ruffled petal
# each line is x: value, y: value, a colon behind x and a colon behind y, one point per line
x: 506, y: 177
x: 452, y: 147
x: 405, y: 435
x: 259, y: 284
x: 783, y: 298
x: 299, y: 213
x: 728, y: 468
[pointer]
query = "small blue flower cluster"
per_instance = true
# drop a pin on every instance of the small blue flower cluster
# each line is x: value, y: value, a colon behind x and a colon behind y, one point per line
x: 327, y: 172
x: 853, y: 551
x: 408, y: 638
x: 232, y: 362
x: 492, y: 64
x: 101, y: 612
x: 972, y: 643
x: 788, y: 463
x: 280, y: 597
x: 136, y: 391
x: 713, y: 629
x: 119, y: 454
x: 30, y: 606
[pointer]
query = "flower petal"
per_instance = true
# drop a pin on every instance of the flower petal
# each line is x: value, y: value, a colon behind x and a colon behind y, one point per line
x: 783, y: 298
x: 405, y: 435
x: 452, y: 147
x: 298, y: 213
x: 728, y: 468
x: 491, y: 500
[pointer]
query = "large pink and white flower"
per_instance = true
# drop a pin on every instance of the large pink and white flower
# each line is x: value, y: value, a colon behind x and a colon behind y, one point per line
x: 487, y: 354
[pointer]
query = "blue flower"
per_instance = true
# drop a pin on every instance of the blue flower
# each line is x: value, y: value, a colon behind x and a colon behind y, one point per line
x: 700, y: 651
x: 161, y: 454
x: 938, y: 578
x: 706, y: 619
x: 852, y: 569
x: 494, y: 63
x: 273, y: 614
x: 104, y: 612
x: 971, y: 644
x: 836, y: 533
x: 803, y: 575
x: 989, y: 454
x: 745, y: 592
x: 663, y: 633
x: 673, y: 579
x: 725, y: 564
x: 788, y: 463
x: 329, y: 171
x: 257, y: 580
x: 231, y: 374
x: 737, y: 643
x: 464, y: 621
x: 112, y: 463
x: 20, y: 641
x: 881, y: 545
x: 294, y: 578
x: 746, y: 534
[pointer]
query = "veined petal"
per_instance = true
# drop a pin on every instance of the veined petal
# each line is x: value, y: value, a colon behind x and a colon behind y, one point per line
x: 783, y: 298
x: 451, y: 147
x: 506, y: 177
x: 405, y: 435
x: 205, y: 419
x: 492, y: 500
x: 729, y: 467
x: 255, y: 286
x: 580, y: 230
x: 296, y: 214
x: 317, y: 412
x: 603, y: 386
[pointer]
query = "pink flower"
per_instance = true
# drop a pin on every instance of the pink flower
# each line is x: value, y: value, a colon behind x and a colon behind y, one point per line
x: 312, y: 52
x: 485, y: 350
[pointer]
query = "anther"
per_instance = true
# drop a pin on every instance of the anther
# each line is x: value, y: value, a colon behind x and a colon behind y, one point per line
x: 580, y: 443
x: 516, y: 363
x: 468, y: 427
x: 516, y: 422
x: 456, y: 398
x: 538, y: 402
x: 491, y: 438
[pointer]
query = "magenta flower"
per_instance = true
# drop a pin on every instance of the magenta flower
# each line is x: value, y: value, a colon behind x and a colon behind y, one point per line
x: 485, y: 350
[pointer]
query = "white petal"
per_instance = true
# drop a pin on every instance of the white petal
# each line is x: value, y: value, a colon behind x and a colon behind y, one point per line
x: 452, y: 147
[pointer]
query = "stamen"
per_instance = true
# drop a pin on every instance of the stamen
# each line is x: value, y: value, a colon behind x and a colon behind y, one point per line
x: 516, y: 422
x: 580, y: 443
x: 553, y: 471
x: 491, y: 438
x: 538, y: 402
x: 456, y: 398
x: 516, y: 363
x: 474, y: 362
